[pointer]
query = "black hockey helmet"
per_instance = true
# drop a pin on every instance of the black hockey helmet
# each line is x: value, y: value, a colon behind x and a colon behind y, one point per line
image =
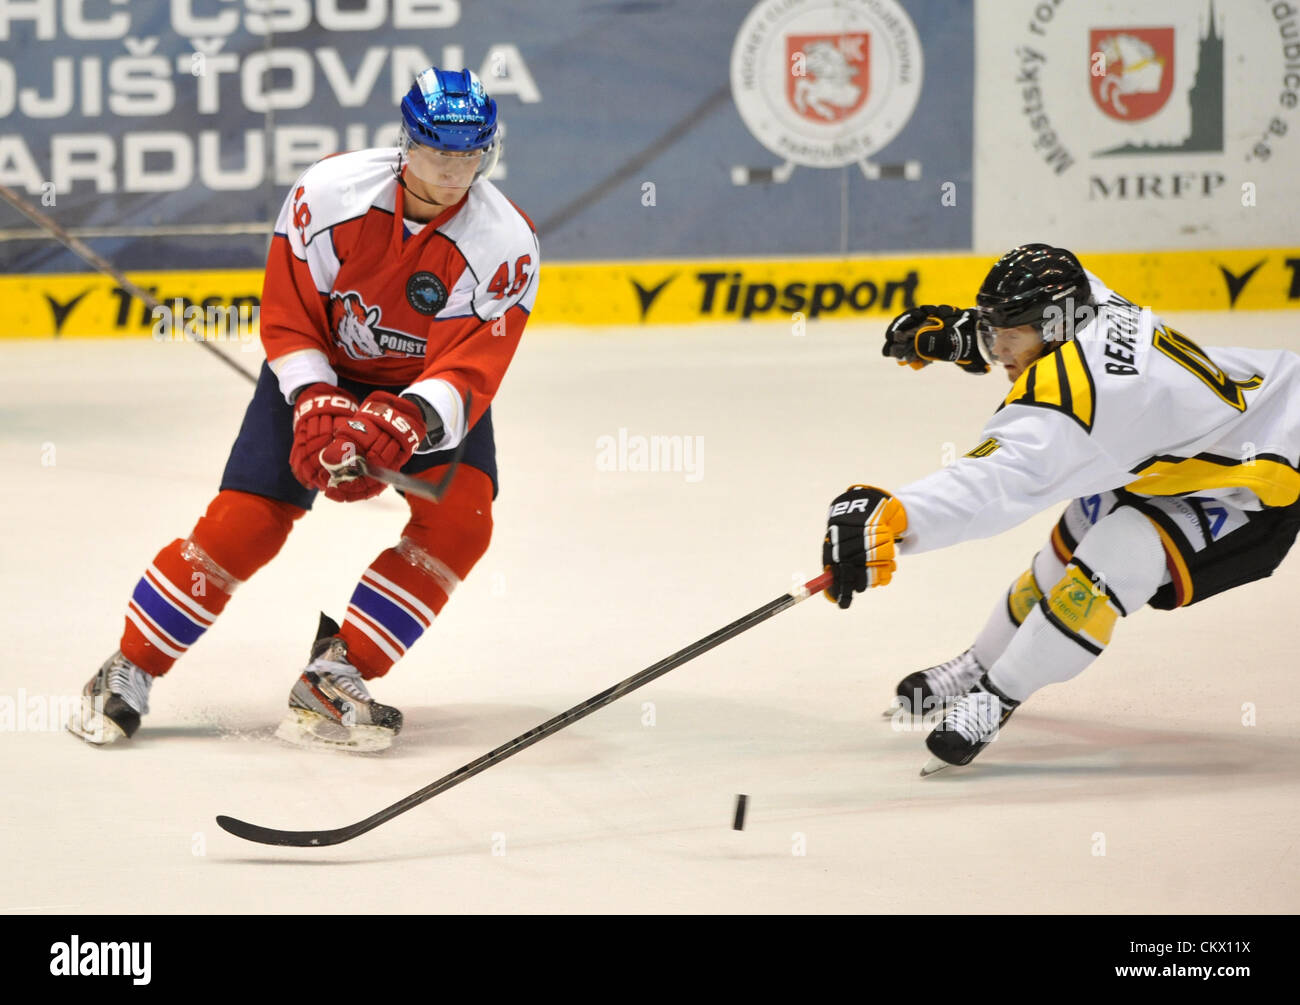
x: 1027, y: 282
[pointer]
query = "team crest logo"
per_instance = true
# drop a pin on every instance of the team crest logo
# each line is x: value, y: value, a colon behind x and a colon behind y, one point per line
x: 829, y: 75
x: 1131, y: 70
x: 426, y: 293
x: 825, y: 83
x: 357, y: 329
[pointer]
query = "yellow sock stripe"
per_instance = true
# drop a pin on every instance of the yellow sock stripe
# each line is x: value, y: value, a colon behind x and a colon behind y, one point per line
x: 1082, y: 607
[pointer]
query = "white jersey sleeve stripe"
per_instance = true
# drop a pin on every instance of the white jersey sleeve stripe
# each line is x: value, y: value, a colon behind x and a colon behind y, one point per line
x: 298, y: 369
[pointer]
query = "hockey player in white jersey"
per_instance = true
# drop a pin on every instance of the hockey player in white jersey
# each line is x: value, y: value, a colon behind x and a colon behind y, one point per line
x: 1181, y: 464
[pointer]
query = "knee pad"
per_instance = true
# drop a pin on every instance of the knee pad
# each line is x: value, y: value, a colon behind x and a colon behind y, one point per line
x: 1116, y: 569
x: 450, y: 536
x: 1027, y: 591
x: 1123, y: 551
x: 1023, y: 596
x: 241, y: 532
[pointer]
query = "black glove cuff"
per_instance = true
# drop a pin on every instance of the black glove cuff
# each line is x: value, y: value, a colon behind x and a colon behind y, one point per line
x: 434, y: 429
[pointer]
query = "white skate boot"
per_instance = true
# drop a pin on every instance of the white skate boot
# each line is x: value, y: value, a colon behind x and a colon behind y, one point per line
x: 329, y: 705
x: 112, y: 702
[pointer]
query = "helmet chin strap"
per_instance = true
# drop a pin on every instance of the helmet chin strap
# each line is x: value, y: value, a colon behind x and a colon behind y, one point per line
x: 397, y: 173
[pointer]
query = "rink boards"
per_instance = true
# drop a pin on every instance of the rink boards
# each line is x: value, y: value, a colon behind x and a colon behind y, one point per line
x: 220, y: 304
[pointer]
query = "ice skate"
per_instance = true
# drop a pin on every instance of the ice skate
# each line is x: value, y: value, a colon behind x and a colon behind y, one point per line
x: 969, y: 725
x: 112, y: 702
x: 930, y: 690
x: 329, y: 705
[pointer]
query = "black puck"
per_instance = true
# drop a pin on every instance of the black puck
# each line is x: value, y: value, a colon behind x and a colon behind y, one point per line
x: 739, y: 822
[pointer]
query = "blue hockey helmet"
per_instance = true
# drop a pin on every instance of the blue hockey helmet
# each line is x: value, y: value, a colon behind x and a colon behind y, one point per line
x: 449, y: 110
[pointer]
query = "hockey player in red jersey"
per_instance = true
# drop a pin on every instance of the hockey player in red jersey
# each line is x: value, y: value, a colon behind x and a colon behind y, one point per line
x: 1183, y: 465
x: 397, y: 287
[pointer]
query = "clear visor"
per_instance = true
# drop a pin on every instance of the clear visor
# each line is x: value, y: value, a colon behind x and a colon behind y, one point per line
x: 446, y: 168
x: 986, y: 336
x: 443, y: 168
x: 987, y: 333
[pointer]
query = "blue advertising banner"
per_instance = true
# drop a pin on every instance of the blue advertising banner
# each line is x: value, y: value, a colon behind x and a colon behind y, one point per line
x: 167, y: 134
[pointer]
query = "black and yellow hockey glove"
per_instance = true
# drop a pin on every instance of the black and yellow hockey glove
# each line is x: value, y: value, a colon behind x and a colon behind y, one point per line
x: 930, y: 333
x: 858, y: 551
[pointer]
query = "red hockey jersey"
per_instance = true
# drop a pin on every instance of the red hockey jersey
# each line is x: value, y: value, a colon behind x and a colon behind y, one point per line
x: 349, y: 293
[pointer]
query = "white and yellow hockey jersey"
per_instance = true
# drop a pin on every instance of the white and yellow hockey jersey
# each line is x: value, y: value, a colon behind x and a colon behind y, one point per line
x: 1128, y: 402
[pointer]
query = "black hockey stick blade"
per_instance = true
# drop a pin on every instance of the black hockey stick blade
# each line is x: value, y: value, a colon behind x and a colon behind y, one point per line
x: 296, y: 839
x: 317, y: 839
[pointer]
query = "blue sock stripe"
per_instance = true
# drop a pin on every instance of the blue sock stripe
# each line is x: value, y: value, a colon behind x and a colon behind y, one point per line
x: 166, y: 615
x: 381, y: 609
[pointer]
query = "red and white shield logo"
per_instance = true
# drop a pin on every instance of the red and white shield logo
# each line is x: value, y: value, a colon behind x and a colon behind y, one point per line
x: 829, y: 75
x: 1131, y: 70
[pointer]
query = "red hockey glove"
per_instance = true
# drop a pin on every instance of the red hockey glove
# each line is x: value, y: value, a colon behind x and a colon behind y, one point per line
x: 314, y: 412
x: 858, y: 550
x: 384, y: 432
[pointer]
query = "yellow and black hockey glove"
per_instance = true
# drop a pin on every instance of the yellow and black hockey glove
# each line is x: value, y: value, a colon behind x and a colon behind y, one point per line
x: 858, y: 550
x: 935, y: 333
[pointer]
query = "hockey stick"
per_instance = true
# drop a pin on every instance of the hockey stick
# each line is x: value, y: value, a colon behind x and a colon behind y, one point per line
x: 409, y: 483
x: 84, y: 251
x: 313, y: 839
x: 404, y: 483
x: 416, y: 486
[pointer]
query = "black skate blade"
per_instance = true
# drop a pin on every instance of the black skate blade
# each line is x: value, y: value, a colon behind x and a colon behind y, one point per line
x: 292, y: 839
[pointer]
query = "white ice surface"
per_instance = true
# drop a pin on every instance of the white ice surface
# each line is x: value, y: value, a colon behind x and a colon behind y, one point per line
x: 592, y: 576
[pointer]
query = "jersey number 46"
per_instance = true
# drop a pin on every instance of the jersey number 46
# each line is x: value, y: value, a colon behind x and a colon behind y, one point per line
x: 502, y: 285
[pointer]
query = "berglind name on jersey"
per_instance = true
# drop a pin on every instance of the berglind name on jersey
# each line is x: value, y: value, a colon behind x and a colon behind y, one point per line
x: 1122, y: 335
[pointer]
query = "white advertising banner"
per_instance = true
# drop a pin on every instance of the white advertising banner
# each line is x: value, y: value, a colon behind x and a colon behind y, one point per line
x: 1137, y: 125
